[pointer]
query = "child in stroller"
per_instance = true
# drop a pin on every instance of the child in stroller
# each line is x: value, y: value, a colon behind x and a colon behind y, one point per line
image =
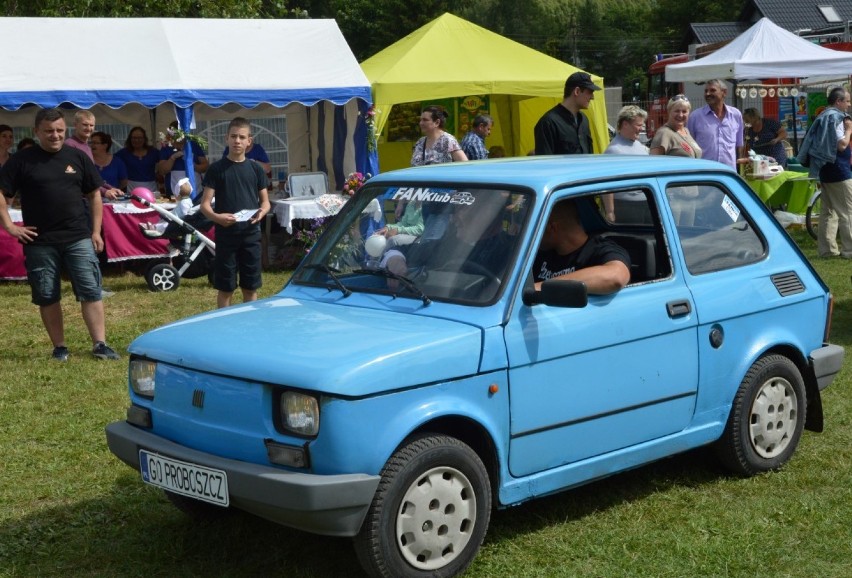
x: 191, y: 251
x: 183, y: 209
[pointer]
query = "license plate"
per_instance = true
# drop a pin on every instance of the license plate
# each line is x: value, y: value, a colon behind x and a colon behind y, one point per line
x: 187, y: 479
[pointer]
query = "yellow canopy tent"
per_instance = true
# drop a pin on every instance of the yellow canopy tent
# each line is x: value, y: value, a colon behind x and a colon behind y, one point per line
x: 451, y: 57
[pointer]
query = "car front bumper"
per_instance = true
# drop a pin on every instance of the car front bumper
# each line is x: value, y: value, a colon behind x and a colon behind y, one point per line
x: 331, y: 505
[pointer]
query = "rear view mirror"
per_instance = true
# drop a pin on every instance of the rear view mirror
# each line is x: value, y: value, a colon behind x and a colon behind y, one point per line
x: 558, y: 293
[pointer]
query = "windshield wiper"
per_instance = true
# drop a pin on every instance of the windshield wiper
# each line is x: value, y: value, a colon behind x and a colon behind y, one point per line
x: 409, y: 284
x: 330, y: 271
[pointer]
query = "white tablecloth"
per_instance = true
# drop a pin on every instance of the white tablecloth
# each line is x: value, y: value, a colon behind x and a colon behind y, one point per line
x: 316, y: 207
x: 311, y: 208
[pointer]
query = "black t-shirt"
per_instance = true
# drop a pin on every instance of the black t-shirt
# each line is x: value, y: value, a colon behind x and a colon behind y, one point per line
x: 52, y: 188
x: 596, y: 251
x: 237, y: 187
x: 558, y: 132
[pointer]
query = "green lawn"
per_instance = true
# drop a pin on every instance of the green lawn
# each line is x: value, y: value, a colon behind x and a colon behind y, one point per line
x: 69, y: 508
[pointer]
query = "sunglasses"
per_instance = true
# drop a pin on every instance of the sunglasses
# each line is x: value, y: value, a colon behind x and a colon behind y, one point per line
x: 678, y: 97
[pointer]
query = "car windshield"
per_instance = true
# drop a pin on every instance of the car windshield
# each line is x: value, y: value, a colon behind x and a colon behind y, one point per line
x: 420, y: 242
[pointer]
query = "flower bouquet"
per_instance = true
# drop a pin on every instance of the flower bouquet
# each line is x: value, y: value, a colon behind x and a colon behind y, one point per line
x: 354, y: 181
x: 176, y: 135
x: 370, y: 120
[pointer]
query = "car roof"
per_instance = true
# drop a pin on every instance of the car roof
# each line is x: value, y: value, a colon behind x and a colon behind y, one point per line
x: 547, y: 172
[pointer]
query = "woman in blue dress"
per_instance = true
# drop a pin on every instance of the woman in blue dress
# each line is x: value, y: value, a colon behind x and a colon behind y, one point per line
x: 140, y: 158
x: 112, y: 169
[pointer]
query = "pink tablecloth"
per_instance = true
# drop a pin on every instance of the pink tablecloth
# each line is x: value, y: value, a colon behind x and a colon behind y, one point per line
x: 11, y: 253
x: 122, y: 236
x: 121, y: 233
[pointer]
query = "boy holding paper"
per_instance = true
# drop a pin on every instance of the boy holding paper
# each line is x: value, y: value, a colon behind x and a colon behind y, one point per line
x: 240, y: 188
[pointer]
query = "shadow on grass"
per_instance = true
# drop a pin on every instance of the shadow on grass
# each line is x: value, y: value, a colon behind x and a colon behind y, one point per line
x: 134, y: 531
x: 693, y: 469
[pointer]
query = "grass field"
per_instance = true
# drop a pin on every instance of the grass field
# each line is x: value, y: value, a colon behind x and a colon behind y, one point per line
x: 69, y: 508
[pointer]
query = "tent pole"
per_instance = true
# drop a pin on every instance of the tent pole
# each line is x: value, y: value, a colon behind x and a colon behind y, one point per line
x: 795, y: 125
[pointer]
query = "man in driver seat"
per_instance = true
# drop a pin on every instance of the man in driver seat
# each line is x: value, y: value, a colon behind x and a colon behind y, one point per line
x: 568, y: 252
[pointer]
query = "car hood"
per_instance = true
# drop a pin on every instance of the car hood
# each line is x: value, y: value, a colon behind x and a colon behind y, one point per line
x: 318, y: 346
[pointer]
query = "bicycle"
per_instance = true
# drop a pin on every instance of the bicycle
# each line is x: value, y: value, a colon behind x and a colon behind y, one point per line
x: 812, y: 214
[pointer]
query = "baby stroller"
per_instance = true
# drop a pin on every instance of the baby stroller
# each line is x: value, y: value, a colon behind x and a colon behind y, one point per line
x: 193, y: 253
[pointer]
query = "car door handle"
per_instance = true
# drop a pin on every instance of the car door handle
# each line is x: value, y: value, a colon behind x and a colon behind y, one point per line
x: 678, y: 308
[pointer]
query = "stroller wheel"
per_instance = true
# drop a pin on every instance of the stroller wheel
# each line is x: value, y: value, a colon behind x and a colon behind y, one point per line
x: 162, y: 277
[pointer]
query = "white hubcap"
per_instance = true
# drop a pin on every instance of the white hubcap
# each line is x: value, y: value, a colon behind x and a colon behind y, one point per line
x: 436, y: 518
x: 164, y: 279
x: 773, y: 417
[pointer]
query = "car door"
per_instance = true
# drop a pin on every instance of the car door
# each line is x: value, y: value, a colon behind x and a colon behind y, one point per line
x: 621, y: 371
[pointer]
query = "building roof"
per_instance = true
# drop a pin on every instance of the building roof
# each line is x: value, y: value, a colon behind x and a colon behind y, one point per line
x: 799, y: 14
x: 802, y: 17
x: 710, y: 32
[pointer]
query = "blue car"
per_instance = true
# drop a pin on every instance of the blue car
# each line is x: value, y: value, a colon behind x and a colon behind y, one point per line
x: 398, y: 390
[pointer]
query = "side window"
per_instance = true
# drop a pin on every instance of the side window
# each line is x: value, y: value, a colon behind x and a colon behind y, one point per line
x: 627, y: 207
x: 714, y: 231
x: 629, y: 218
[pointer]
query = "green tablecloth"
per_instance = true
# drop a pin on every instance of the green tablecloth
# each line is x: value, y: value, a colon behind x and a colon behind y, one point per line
x: 790, y: 188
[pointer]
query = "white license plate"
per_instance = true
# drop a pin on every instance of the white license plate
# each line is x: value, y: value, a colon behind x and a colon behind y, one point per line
x: 199, y: 482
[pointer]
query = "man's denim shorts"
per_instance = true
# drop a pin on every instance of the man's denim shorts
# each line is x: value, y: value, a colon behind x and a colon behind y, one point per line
x: 44, y: 271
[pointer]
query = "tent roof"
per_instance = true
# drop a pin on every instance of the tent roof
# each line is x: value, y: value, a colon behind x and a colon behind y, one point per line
x: 180, y: 60
x: 450, y: 56
x: 764, y: 51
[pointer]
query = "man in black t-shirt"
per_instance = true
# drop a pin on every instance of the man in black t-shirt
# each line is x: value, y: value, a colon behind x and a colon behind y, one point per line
x: 567, y: 252
x: 53, y: 179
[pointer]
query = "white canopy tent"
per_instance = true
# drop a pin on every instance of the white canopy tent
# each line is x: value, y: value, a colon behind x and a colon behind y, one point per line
x: 764, y: 51
x: 220, y: 67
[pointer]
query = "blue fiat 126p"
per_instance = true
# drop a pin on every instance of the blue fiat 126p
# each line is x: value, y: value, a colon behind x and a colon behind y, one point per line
x: 400, y: 388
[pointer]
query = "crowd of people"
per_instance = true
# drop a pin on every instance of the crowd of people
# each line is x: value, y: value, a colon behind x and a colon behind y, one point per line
x: 63, y: 234
x: 60, y: 181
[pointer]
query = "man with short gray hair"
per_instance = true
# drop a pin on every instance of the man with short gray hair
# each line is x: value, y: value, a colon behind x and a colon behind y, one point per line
x: 473, y: 143
x: 716, y: 127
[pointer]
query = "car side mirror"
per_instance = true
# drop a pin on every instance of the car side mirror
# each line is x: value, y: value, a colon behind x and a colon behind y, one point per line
x: 558, y: 293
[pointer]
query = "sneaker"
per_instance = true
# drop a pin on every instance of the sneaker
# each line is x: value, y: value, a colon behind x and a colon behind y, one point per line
x: 106, y: 293
x: 103, y: 351
x: 60, y: 353
x: 173, y: 251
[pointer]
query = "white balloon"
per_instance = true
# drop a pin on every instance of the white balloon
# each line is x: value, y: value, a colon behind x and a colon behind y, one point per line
x: 375, y: 245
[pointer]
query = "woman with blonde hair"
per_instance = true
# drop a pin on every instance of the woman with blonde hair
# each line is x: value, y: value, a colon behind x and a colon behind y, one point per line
x: 673, y: 138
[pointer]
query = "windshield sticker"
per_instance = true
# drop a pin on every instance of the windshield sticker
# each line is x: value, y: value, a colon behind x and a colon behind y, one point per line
x: 729, y: 207
x: 433, y: 195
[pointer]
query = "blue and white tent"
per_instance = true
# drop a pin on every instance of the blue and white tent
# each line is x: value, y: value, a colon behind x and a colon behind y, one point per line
x: 115, y: 65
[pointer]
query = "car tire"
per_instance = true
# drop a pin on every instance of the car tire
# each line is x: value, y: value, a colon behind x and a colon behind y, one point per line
x: 196, y: 509
x: 162, y: 277
x: 767, y: 418
x: 430, y: 512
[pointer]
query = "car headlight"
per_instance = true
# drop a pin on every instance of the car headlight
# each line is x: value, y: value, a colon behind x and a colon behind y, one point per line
x: 143, y: 377
x: 299, y: 413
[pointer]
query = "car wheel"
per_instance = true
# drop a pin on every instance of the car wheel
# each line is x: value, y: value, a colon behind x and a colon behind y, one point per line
x: 162, y: 277
x: 430, y: 512
x: 767, y: 418
x: 196, y: 509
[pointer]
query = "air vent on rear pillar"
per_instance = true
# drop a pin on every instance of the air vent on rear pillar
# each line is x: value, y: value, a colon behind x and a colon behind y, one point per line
x: 788, y: 283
